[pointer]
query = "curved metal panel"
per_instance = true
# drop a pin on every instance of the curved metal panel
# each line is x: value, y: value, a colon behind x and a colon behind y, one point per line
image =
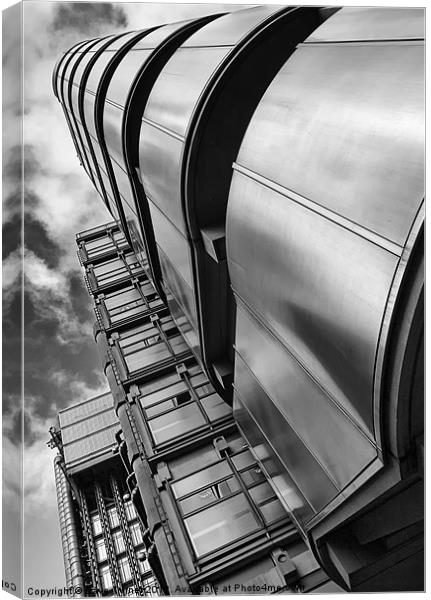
x: 370, y: 24
x: 193, y: 124
x: 93, y: 102
x: 325, y: 194
x: 62, y: 87
x: 100, y: 176
x: 349, y: 172
x: 121, y: 111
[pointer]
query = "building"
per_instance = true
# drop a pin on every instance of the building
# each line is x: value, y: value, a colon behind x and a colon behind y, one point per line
x: 101, y: 535
x: 267, y: 169
x: 211, y: 520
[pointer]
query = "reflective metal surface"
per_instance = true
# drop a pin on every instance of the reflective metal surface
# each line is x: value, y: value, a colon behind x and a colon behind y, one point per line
x: 96, y: 82
x: 77, y: 73
x: 193, y: 124
x: 115, y: 100
x: 326, y: 188
x: 63, y: 74
x: 370, y: 24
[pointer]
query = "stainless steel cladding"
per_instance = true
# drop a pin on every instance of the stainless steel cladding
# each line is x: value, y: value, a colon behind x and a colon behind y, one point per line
x: 68, y: 531
x: 267, y: 166
x: 324, y: 217
x: 192, y: 127
x: 127, y: 81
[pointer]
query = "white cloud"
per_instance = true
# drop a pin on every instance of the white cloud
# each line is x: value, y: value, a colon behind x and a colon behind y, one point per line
x: 77, y: 390
x: 38, y: 469
x: 49, y: 292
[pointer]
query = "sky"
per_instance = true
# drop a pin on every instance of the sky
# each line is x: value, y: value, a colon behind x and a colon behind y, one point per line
x: 61, y: 365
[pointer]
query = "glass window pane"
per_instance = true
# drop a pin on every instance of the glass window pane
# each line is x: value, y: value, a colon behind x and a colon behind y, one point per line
x: 208, y: 495
x: 124, y: 568
x: 215, y: 407
x: 107, y: 267
x: 165, y: 392
x: 136, y: 534
x: 261, y: 493
x: 194, y: 460
x: 273, y: 510
x: 204, y: 390
x: 105, y: 576
x: 127, y: 312
x: 100, y: 550
x: 253, y: 475
x: 144, y: 565
x: 159, y: 408
x: 147, y: 357
x: 113, y: 517
x: 118, y: 540
x: 176, y: 422
x: 198, y: 379
x: 130, y: 510
x: 221, y: 524
x: 201, y: 479
x: 96, y: 524
x: 178, y: 344
x: 243, y: 460
x: 121, y: 298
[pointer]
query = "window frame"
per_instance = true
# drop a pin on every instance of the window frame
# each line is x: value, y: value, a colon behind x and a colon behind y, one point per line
x: 194, y: 400
x: 243, y: 488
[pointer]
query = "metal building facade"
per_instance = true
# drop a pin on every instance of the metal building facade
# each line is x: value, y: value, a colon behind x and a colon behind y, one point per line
x: 211, y: 518
x: 267, y: 169
x: 102, y: 536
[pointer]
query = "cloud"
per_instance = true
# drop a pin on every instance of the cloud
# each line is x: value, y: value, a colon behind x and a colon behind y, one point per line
x: 49, y: 292
x: 39, y: 485
x: 76, y: 389
x: 91, y: 18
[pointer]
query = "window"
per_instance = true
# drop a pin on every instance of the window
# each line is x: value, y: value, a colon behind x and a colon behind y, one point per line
x: 113, y: 517
x: 176, y: 423
x: 124, y: 569
x: 215, y: 407
x: 143, y: 346
x: 144, y: 565
x: 209, y: 495
x: 130, y: 510
x: 136, y: 534
x: 118, y: 541
x: 217, y: 502
x: 203, y: 478
x: 124, y: 304
x: 161, y: 394
x: 173, y: 410
x: 116, y: 269
x: 203, y: 390
x: 221, y: 524
x: 105, y: 576
x: 96, y: 524
x: 100, y: 549
x: 103, y: 244
x: 269, y: 505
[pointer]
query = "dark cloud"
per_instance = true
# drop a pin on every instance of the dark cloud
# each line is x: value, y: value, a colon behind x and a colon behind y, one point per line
x: 88, y: 18
x: 11, y: 365
x: 38, y: 241
x: 12, y: 229
x: 12, y: 415
x: 21, y: 159
x: 81, y: 303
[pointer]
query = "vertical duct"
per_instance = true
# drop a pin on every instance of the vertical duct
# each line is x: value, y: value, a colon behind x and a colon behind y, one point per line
x: 68, y: 531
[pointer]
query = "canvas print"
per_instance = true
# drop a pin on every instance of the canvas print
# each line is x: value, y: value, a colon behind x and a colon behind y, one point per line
x: 213, y: 314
